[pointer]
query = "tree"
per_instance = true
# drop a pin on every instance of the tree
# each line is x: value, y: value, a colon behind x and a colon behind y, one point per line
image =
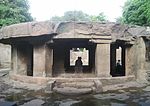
x: 119, y: 20
x: 100, y: 17
x: 137, y: 12
x: 79, y: 16
x: 14, y: 11
x: 75, y: 16
x: 56, y: 18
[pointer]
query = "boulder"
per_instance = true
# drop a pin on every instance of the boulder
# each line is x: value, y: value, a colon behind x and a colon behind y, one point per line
x: 98, y: 86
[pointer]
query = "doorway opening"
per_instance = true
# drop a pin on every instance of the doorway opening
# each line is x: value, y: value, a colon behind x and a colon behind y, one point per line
x: 79, y: 52
x: 67, y: 51
x: 25, y: 60
x: 30, y: 60
x: 117, y: 60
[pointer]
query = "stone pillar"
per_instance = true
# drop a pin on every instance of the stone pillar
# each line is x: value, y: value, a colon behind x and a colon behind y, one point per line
x: 14, y: 59
x: 49, y: 61
x: 128, y: 61
x: 102, y: 60
x: 39, y: 59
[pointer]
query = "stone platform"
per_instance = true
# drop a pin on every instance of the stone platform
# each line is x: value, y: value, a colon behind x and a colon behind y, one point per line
x: 45, y: 80
x: 73, y: 86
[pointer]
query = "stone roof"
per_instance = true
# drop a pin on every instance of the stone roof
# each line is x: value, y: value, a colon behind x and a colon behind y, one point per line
x: 72, y: 30
x: 26, y: 29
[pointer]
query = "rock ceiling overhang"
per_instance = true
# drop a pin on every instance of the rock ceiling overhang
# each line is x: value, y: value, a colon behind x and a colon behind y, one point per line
x: 67, y: 30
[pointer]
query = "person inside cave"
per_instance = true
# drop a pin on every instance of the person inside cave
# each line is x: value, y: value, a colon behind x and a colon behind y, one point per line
x: 119, y: 68
x: 78, y: 65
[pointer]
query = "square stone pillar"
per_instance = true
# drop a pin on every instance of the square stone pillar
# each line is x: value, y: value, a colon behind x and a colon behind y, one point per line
x: 102, y: 60
x: 39, y: 53
x: 14, y: 58
x: 49, y: 61
x: 128, y: 61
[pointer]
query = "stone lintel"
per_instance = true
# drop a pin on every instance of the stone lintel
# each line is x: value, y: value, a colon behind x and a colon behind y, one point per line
x: 102, y: 37
x: 100, y: 41
x: 85, y: 36
x: 71, y: 35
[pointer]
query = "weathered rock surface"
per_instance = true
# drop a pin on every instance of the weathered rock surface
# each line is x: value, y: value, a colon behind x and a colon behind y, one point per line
x: 4, y: 72
x: 123, y: 85
x: 98, y: 86
x: 73, y: 29
x: 35, y: 102
x: 49, y: 87
x: 67, y: 102
x: 147, y: 88
x: 118, y: 104
x: 3, y: 86
x: 6, y: 103
x: 5, y: 56
x: 122, y: 96
x: 27, y: 29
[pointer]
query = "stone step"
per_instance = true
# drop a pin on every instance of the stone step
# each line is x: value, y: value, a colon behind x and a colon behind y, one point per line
x: 64, y: 80
x: 78, y: 75
x: 78, y: 87
x: 75, y: 84
x: 72, y: 90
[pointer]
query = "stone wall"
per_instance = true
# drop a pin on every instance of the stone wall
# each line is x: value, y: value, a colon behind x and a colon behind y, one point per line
x: 136, y: 60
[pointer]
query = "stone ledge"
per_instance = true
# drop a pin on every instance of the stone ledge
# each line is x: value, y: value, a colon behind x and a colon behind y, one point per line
x: 45, y: 80
x: 30, y: 79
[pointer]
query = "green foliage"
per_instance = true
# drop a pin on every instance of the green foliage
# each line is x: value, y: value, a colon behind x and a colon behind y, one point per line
x: 137, y: 12
x: 14, y: 11
x: 100, y: 17
x: 75, y: 16
x: 119, y: 20
x: 79, y: 16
